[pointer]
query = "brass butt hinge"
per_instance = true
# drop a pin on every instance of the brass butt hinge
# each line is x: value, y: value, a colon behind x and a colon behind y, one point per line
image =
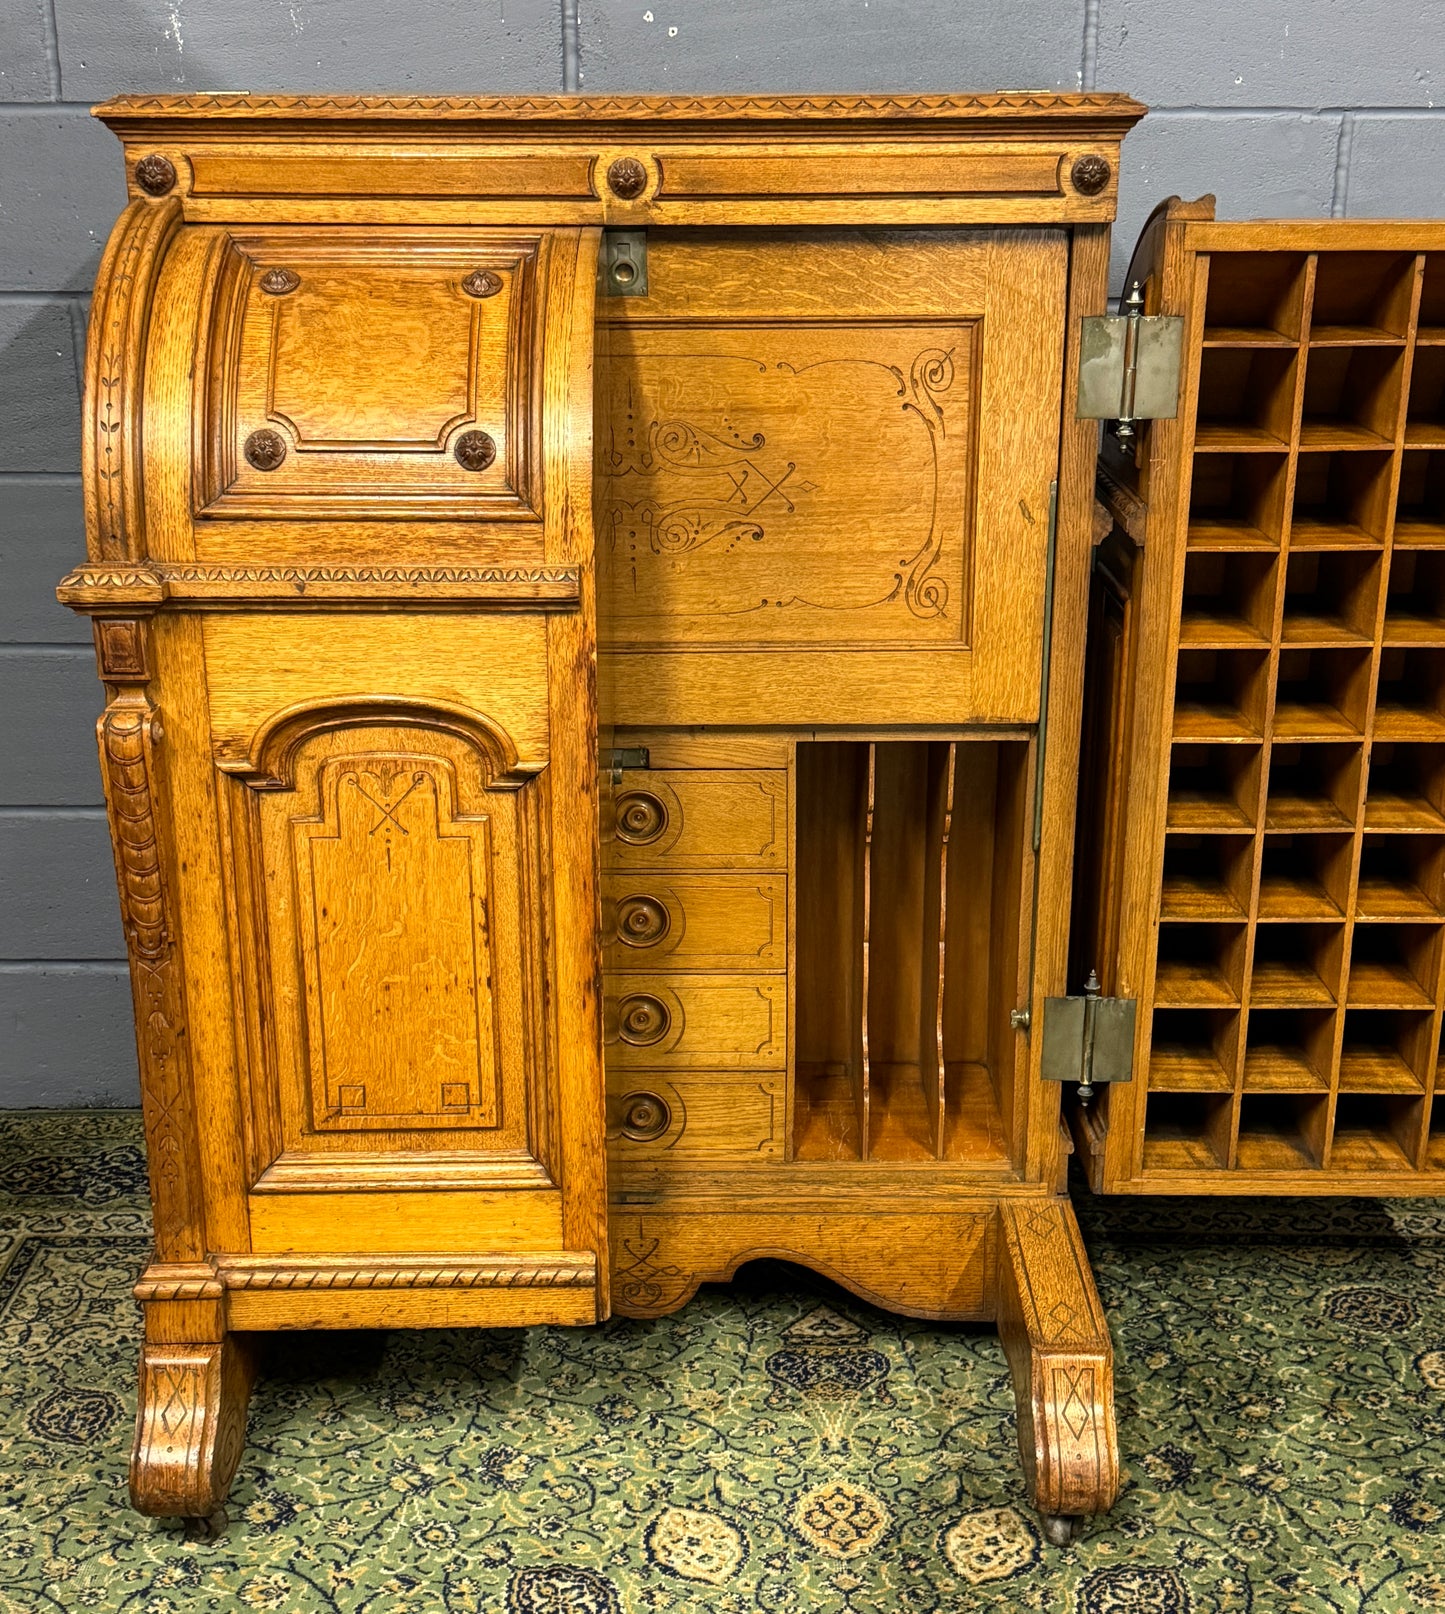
x: 622, y: 264
x: 1129, y: 366
x: 1088, y: 1039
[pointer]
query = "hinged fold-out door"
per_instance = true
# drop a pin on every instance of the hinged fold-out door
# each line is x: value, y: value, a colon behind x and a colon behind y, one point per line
x: 383, y: 558
x: 823, y: 470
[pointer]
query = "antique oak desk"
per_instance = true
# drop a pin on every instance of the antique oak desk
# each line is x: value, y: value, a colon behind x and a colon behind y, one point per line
x: 402, y: 510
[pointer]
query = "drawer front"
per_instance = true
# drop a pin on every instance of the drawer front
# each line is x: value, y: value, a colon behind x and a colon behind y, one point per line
x: 700, y: 818
x: 701, y: 1022
x: 719, y: 1115
x: 696, y: 921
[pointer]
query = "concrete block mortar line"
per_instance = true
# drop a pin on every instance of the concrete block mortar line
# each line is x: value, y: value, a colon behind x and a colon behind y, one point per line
x: 51, y: 27
x: 571, y: 46
x: 1088, y: 65
x: 1339, y: 197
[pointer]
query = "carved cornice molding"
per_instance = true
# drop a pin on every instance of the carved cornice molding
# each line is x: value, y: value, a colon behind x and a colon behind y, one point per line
x: 1005, y: 106
x: 561, y: 1271
x: 155, y: 583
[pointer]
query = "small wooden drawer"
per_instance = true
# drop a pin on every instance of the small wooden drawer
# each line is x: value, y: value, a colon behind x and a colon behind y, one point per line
x: 696, y: 921
x: 699, y: 818
x: 695, y: 1115
x: 699, y: 1022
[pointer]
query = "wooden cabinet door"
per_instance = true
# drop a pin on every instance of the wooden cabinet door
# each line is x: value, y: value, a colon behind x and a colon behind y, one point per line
x: 823, y: 469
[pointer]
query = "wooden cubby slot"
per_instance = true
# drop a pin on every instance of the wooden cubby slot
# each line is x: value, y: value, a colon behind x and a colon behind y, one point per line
x: 1394, y: 966
x: 1193, y: 1050
x: 1246, y: 398
x: 1281, y: 1132
x: 1237, y: 501
x: 1254, y: 298
x: 1312, y: 788
x: 1376, y: 1132
x: 1401, y: 877
x: 1199, y: 967
x: 1386, y: 1050
x: 829, y: 1096
x: 1430, y: 331
x: 911, y: 950
x: 1213, y: 788
x: 1206, y: 877
x: 1352, y: 397
x: 1228, y: 600
x: 1330, y: 598
x: 1411, y: 701
x: 1362, y: 297
x: 1406, y: 789
x: 1435, y: 1146
x: 1220, y: 694
x: 1425, y: 414
x: 1341, y: 499
x: 1289, y: 1050
x: 1296, y: 966
x: 1187, y: 1131
x: 1304, y: 877
x: 1415, y: 599
x: 1420, y: 504
x: 1321, y: 694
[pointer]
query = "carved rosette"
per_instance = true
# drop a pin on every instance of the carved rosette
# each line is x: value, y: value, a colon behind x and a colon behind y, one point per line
x: 127, y: 732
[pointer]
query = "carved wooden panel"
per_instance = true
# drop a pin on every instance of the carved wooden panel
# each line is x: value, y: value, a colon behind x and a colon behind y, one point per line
x: 788, y: 483
x: 397, y: 902
x: 833, y: 442
x: 347, y: 377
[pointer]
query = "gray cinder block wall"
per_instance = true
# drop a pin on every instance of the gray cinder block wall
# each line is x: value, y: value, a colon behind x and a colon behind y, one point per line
x: 1281, y: 107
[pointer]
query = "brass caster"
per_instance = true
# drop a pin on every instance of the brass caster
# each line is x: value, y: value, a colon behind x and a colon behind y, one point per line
x: 1061, y: 1528
x: 209, y: 1528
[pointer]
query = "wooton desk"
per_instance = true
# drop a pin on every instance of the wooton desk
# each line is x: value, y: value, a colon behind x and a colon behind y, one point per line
x: 418, y: 1044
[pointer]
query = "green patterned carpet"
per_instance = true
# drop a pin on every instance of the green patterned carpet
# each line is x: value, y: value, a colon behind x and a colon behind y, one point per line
x: 776, y: 1446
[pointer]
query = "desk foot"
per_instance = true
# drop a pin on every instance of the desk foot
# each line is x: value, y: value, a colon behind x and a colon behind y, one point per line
x: 1053, y: 1331
x: 190, y: 1431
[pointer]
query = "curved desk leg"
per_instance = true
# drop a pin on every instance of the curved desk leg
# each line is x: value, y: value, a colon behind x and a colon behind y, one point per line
x: 1053, y: 1331
x: 190, y: 1430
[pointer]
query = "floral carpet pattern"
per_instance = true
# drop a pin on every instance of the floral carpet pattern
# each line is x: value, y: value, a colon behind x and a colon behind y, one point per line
x: 777, y: 1445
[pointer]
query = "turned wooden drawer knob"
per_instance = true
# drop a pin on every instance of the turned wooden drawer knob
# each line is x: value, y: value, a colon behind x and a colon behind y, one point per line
x: 641, y: 921
x: 642, y: 1020
x: 645, y: 1116
x: 641, y: 817
x: 265, y: 449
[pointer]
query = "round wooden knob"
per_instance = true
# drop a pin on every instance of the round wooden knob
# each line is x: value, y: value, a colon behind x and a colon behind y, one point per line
x: 155, y: 174
x: 265, y: 449
x: 482, y: 283
x: 645, y: 1116
x: 475, y: 451
x: 641, y: 817
x: 627, y: 178
x: 642, y: 1020
x: 1091, y: 174
x: 641, y: 921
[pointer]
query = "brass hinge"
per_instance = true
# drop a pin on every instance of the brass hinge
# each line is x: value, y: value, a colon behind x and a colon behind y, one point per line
x: 1129, y: 366
x: 622, y: 264
x: 1088, y: 1039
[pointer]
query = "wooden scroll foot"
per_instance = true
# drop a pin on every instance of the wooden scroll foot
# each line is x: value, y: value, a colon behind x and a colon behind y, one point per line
x: 190, y: 1430
x: 1053, y: 1331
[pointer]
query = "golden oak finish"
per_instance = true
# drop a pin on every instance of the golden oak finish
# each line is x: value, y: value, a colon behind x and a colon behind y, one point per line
x: 346, y: 443
x: 1265, y: 716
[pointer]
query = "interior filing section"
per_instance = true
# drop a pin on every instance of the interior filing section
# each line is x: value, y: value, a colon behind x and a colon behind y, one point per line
x: 1301, y: 938
x: 911, y: 949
